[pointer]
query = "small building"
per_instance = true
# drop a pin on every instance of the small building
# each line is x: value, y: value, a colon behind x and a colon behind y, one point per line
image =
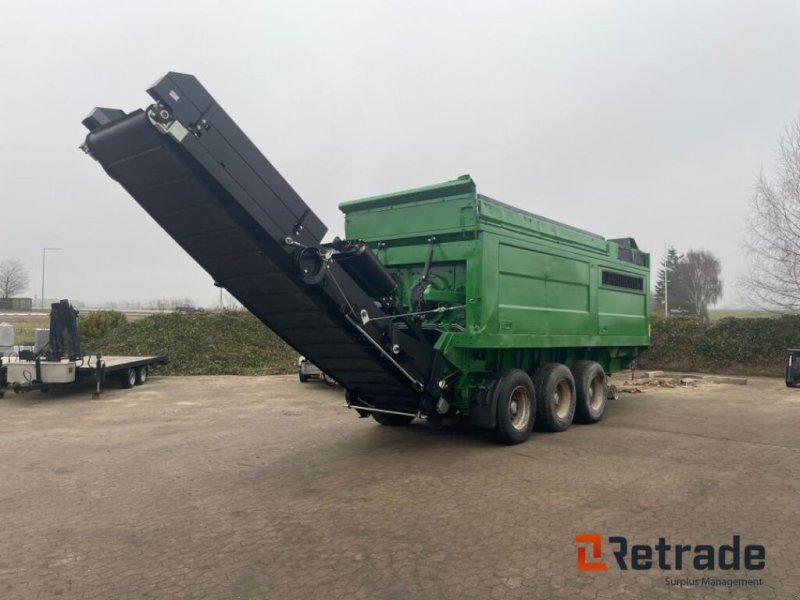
x: 16, y: 303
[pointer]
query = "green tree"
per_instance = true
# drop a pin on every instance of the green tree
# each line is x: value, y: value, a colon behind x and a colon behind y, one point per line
x: 93, y: 326
x: 667, y: 279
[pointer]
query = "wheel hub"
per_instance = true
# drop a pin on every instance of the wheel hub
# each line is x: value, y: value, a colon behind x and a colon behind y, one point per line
x: 519, y: 408
x: 598, y: 397
x: 562, y: 398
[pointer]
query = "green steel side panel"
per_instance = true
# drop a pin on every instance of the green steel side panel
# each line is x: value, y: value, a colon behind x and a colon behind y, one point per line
x: 622, y: 312
x: 536, y: 294
x: 493, y: 214
x: 415, y: 255
x: 453, y: 207
x: 453, y: 215
x: 463, y: 186
x: 525, y: 340
x: 541, y: 293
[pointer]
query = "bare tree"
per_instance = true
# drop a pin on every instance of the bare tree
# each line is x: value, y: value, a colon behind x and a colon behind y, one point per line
x: 13, y: 278
x: 699, y: 272
x: 772, y: 234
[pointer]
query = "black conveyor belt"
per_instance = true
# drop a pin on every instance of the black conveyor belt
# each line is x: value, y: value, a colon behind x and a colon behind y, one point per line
x: 224, y: 203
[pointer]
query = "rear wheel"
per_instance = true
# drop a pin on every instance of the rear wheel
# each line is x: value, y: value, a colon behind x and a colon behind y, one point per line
x: 392, y: 420
x: 303, y: 378
x: 141, y: 374
x: 591, y: 387
x: 555, y: 396
x: 128, y: 378
x: 516, y: 407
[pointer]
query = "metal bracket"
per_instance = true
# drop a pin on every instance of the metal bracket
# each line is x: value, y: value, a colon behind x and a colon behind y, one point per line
x: 161, y: 121
x: 428, y: 260
x: 418, y: 386
x: 382, y: 410
x: 298, y: 227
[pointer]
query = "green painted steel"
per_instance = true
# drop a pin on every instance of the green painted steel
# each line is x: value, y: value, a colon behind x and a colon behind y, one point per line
x: 508, y: 289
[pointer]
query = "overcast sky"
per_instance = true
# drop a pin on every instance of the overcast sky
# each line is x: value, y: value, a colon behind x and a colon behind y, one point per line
x: 642, y: 119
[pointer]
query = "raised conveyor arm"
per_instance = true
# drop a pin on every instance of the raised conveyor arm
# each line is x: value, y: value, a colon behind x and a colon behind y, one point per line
x: 197, y: 174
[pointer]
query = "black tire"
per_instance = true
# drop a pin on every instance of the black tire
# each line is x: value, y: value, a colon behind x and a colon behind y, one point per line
x: 127, y: 378
x: 141, y: 374
x: 392, y: 420
x: 303, y: 378
x: 516, y: 407
x: 555, y: 397
x: 591, y: 391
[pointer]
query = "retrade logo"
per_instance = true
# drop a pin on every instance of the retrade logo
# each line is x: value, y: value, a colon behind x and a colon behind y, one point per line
x: 590, y: 551
x: 667, y: 556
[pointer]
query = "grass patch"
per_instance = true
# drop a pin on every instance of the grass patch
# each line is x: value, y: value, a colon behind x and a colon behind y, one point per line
x: 25, y: 326
x: 213, y: 343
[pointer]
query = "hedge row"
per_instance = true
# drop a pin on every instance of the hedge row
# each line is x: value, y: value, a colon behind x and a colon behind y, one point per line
x: 213, y: 343
x: 732, y: 345
x: 236, y: 343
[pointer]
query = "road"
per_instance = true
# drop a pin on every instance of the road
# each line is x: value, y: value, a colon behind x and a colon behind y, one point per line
x: 260, y: 487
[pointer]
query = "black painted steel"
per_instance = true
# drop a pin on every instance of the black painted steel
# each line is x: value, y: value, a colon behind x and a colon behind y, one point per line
x: 793, y: 367
x: 64, y: 338
x: 197, y: 174
x: 364, y: 267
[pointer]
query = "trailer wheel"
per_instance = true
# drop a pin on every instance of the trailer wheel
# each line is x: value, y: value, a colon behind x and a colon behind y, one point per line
x: 392, y: 420
x: 141, y: 374
x: 516, y: 407
x: 591, y: 391
x: 128, y: 378
x: 555, y: 395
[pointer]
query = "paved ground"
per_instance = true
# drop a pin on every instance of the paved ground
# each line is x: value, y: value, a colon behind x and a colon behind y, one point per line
x: 224, y: 487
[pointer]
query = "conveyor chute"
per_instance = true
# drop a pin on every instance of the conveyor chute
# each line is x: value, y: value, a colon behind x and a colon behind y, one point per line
x: 197, y: 174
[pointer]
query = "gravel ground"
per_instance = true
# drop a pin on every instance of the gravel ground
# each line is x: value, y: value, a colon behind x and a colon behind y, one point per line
x: 260, y: 487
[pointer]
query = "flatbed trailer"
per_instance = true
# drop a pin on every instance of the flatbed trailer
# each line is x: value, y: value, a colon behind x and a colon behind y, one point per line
x: 40, y: 374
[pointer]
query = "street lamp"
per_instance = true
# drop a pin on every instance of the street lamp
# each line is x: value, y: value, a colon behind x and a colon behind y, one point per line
x: 667, y: 271
x: 44, y: 254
